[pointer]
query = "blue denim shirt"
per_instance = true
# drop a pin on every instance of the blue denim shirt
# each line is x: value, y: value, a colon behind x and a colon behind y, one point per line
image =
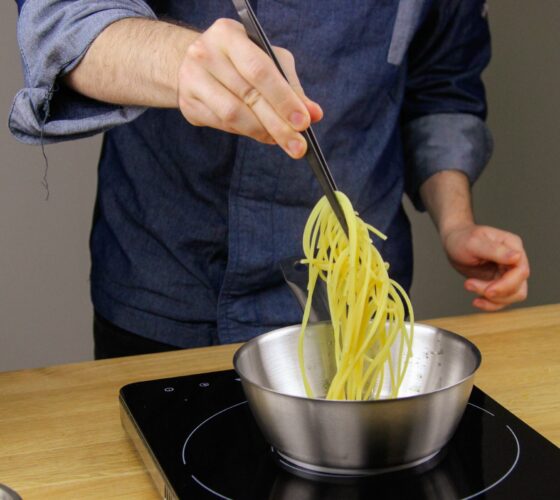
x: 191, y: 223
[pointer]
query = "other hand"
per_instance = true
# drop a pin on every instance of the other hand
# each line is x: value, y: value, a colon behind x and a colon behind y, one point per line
x: 494, y: 262
x: 226, y: 82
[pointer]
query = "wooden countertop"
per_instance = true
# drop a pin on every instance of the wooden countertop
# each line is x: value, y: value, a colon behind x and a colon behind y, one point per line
x: 61, y: 437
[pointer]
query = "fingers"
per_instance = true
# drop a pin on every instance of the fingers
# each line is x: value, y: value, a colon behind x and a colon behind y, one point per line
x: 487, y: 305
x: 259, y: 70
x: 223, y: 110
x: 240, y: 86
x: 511, y: 272
x: 496, y: 303
x: 510, y: 282
x: 507, y: 282
x: 517, y: 294
x: 287, y: 62
x: 488, y: 250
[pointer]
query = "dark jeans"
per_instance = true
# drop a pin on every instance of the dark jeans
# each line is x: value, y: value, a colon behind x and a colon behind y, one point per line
x: 110, y: 341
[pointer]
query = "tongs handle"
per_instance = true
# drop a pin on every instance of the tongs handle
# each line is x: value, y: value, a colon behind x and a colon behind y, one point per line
x: 314, y: 155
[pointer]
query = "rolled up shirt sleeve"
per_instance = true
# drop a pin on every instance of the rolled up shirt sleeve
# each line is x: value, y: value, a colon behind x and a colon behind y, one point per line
x: 53, y: 36
x: 443, y: 119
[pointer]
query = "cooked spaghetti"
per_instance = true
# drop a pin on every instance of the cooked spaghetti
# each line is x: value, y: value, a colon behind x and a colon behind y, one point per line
x: 371, y: 341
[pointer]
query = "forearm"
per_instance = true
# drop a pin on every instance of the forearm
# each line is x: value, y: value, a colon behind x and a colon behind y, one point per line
x: 447, y: 198
x: 133, y: 61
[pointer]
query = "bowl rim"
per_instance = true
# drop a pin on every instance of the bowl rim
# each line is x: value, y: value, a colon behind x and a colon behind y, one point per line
x: 277, y: 332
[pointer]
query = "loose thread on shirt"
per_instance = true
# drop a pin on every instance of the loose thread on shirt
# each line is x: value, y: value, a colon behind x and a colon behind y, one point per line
x: 46, y: 111
x: 45, y: 182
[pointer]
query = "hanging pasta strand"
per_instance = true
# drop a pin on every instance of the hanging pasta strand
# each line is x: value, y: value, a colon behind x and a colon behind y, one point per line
x: 367, y: 308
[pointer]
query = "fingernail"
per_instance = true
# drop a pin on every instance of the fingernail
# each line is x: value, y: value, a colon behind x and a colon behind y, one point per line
x: 470, y: 288
x: 295, y: 147
x: 512, y: 254
x: 298, y: 119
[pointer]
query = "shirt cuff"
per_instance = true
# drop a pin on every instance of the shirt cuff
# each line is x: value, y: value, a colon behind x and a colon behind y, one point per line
x: 53, y: 37
x: 446, y: 141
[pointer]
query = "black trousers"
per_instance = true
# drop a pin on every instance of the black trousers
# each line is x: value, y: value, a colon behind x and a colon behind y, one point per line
x: 110, y: 341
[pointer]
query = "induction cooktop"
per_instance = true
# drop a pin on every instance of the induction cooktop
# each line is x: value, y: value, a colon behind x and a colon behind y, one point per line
x: 198, y: 439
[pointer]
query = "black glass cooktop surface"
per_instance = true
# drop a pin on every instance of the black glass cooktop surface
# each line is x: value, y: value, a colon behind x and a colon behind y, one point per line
x: 198, y: 438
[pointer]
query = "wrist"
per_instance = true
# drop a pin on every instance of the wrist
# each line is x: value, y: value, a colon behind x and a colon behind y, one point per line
x: 455, y: 222
x: 178, y: 39
x: 133, y: 61
x: 447, y: 198
x: 173, y: 42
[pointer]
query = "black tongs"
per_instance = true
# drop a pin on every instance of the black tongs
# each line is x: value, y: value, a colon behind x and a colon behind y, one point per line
x: 314, y: 155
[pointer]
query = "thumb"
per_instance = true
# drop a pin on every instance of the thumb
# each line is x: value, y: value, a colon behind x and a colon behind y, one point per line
x: 493, y: 251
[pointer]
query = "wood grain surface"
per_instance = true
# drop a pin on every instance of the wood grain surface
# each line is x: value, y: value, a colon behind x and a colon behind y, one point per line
x: 61, y: 437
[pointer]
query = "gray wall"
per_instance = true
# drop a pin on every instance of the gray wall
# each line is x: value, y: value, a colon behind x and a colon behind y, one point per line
x: 45, y: 314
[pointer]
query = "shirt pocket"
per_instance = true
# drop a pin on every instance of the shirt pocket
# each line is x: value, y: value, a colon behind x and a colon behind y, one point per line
x: 406, y: 22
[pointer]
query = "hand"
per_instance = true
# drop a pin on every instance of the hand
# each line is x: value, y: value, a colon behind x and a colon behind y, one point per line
x: 494, y: 262
x: 226, y: 82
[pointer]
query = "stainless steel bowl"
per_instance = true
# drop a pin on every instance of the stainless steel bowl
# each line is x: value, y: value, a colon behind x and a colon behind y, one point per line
x: 356, y: 437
